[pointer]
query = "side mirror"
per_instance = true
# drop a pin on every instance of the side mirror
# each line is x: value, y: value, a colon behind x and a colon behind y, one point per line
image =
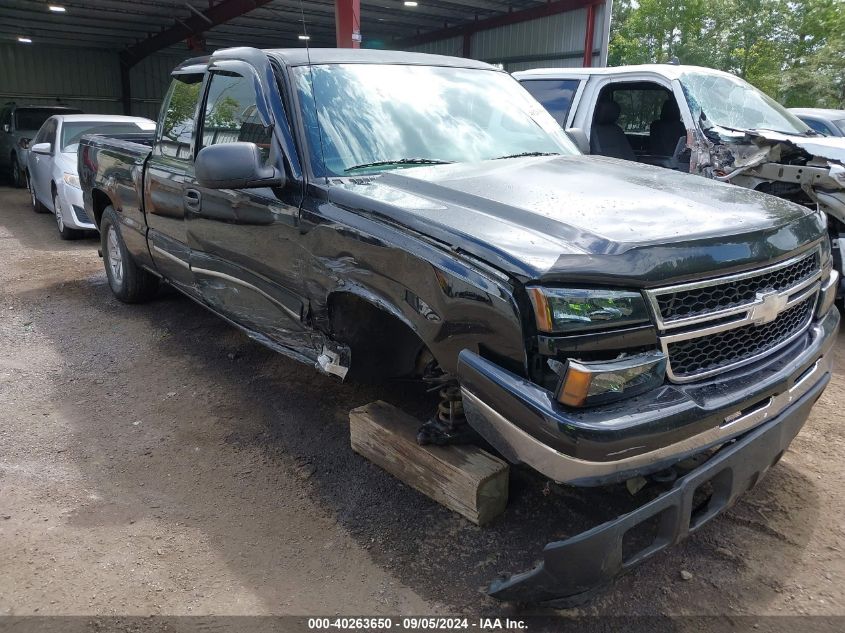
x: 41, y: 148
x: 7, y: 128
x: 235, y: 166
x: 579, y: 137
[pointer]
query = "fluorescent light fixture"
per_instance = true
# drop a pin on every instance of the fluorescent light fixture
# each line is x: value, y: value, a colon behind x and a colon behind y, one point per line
x: 305, y: 37
x: 24, y: 40
x: 410, y: 3
x: 56, y: 8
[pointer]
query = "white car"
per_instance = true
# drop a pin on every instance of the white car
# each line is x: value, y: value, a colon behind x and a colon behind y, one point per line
x: 52, y: 168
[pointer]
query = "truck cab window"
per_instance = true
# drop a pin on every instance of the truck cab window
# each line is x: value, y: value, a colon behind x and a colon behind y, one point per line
x: 645, y: 119
x: 231, y: 113
x: 177, y: 123
x: 556, y: 95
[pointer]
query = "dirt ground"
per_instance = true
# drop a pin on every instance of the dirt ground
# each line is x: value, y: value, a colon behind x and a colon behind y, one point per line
x: 153, y: 460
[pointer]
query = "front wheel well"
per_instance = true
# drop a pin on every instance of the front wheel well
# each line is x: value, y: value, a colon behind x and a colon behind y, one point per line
x: 382, y: 345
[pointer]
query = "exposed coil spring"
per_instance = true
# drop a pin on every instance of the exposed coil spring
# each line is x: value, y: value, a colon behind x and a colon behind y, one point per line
x: 450, y: 409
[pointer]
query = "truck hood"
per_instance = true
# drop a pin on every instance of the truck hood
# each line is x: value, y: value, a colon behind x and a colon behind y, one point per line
x: 585, y: 218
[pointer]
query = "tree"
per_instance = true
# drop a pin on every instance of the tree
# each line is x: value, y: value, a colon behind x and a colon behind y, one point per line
x: 792, y: 49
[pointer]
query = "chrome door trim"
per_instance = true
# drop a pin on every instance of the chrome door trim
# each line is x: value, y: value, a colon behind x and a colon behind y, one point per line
x: 181, y: 262
x: 246, y: 284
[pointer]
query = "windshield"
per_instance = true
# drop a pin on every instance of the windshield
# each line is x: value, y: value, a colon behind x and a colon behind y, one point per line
x: 374, y: 117
x: 72, y: 131
x: 841, y: 125
x: 729, y: 101
x: 32, y: 119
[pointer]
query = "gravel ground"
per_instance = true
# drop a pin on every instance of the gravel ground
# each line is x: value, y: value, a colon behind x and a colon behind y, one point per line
x: 153, y: 460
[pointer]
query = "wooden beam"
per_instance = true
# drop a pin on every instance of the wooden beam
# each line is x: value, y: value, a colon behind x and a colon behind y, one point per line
x: 589, y: 33
x: 465, y: 479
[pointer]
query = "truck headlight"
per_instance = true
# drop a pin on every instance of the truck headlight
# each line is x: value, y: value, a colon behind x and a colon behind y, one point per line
x: 72, y: 180
x: 565, y: 310
x: 585, y: 384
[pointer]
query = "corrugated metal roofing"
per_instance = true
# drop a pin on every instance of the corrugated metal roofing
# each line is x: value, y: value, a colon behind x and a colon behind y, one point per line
x: 115, y: 24
x: 74, y: 55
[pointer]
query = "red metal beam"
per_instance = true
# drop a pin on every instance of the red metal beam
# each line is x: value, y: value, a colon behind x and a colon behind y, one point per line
x: 589, y: 34
x: 347, y: 20
x: 198, y: 22
x: 542, y: 11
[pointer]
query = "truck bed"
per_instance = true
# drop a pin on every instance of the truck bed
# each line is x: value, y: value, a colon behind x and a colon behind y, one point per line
x: 114, y: 164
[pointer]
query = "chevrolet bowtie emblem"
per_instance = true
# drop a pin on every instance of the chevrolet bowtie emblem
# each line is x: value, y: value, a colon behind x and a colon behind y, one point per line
x: 771, y: 305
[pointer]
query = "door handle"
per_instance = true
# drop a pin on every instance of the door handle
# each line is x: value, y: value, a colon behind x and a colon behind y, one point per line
x: 192, y: 199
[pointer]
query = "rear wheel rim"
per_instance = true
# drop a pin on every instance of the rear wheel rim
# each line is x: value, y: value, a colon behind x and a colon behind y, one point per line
x: 115, y: 256
x: 57, y: 206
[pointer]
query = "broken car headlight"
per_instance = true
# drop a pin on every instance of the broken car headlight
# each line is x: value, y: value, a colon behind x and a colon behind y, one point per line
x: 584, y: 384
x: 568, y: 310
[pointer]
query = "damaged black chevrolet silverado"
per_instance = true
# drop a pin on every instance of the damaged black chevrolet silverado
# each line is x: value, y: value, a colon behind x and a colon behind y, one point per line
x: 389, y: 214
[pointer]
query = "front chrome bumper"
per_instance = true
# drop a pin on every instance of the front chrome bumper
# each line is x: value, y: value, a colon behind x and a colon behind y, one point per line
x: 745, y: 445
x: 643, y: 435
x: 573, y: 570
x: 564, y: 468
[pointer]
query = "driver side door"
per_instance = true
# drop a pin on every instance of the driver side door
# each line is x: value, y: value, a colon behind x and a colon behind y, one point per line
x: 244, y: 243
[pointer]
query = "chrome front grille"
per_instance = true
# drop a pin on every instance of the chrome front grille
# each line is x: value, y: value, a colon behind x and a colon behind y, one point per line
x: 719, y: 324
x: 704, y: 299
x: 690, y: 357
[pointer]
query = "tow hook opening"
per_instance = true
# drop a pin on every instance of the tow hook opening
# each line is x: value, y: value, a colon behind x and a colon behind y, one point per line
x: 716, y: 493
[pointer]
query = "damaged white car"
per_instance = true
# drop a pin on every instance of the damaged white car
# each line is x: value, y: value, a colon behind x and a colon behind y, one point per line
x: 699, y: 120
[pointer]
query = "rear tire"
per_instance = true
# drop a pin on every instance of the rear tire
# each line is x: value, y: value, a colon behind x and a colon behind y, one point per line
x: 129, y: 282
x: 65, y: 232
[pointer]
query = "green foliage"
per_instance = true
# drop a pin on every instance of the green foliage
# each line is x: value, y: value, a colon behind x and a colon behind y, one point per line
x: 794, y: 50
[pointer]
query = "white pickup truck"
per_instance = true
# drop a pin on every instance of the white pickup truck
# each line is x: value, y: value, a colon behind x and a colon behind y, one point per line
x: 700, y: 121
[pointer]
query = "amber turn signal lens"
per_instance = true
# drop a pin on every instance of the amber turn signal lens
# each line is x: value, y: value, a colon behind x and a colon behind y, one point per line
x: 575, y: 388
x: 541, y: 309
x: 586, y: 384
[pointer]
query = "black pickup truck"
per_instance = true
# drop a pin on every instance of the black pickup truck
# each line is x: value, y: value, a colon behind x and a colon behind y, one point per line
x: 385, y: 214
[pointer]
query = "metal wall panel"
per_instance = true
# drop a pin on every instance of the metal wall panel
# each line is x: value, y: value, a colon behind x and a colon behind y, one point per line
x: 560, y: 33
x: 452, y: 46
x: 83, y: 78
x: 88, y: 79
x: 556, y: 41
x: 569, y: 62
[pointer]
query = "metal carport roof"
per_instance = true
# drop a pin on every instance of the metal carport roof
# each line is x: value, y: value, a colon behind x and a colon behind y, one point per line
x: 124, y: 24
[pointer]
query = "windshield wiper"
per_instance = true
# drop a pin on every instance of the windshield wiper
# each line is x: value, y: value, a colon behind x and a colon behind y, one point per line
x: 768, y: 129
x: 400, y: 161
x: 522, y: 154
